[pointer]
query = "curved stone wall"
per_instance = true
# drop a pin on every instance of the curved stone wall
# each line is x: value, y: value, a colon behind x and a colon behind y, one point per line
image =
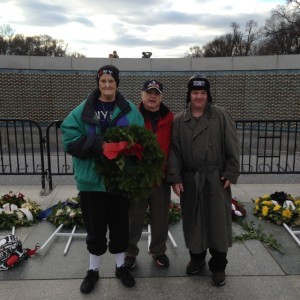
x: 45, y: 89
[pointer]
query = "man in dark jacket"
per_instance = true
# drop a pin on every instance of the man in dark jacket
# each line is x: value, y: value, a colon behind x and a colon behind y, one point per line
x: 203, y: 163
x: 158, y: 119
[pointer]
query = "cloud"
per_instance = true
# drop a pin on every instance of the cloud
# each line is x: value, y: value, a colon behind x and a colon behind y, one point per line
x: 165, y: 26
x: 42, y: 14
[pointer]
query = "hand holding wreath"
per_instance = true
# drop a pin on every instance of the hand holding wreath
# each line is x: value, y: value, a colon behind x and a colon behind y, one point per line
x: 134, y: 162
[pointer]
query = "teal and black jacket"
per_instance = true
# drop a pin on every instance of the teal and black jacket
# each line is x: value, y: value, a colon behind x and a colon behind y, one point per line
x: 83, y: 138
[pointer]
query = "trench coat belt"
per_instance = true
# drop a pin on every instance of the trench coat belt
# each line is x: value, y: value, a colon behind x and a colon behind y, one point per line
x: 199, y: 177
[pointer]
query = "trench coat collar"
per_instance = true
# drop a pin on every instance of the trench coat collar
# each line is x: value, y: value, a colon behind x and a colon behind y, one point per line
x: 203, y: 123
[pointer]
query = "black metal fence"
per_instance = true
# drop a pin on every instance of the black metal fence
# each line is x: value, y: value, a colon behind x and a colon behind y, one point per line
x: 267, y: 147
x: 22, y: 148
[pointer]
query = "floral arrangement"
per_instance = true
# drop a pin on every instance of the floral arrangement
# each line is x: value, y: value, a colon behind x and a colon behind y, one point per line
x: 17, y: 211
x: 67, y: 213
x: 252, y: 232
x: 132, y: 163
x: 238, y: 210
x: 174, y: 213
x: 278, y: 208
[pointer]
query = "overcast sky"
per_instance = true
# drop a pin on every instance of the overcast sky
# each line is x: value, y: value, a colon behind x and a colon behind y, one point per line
x: 167, y: 28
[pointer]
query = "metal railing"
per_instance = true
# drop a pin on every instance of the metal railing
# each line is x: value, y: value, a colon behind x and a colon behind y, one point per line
x: 267, y: 147
x: 59, y: 162
x: 21, y: 148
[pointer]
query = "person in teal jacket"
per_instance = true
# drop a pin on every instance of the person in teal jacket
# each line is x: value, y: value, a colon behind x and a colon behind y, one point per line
x: 83, y: 137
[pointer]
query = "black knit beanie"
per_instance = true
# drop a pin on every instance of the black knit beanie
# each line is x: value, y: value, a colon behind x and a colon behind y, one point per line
x: 198, y: 83
x: 110, y: 70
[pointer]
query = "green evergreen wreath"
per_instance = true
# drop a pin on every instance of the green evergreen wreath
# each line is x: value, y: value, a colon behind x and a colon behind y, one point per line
x: 127, y: 175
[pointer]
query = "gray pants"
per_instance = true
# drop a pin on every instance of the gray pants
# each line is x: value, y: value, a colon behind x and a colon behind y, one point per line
x: 158, y: 201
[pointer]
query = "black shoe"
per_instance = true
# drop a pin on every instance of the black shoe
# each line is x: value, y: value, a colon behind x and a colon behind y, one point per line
x: 126, y: 278
x: 130, y: 262
x: 218, y: 278
x: 194, y: 267
x: 162, y: 260
x: 89, y: 281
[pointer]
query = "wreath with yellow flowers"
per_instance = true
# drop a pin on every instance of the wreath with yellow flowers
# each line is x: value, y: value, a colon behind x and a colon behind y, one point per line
x: 132, y: 162
x: 278, y: 208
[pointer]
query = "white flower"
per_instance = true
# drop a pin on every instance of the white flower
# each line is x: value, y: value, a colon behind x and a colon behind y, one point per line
x: 13, y: 207
x: 238, y: 213
x: 74, y: 200
x: 59, y: 212
x: 6, y: 207
x: 72, y: 214
x: 20, y: 215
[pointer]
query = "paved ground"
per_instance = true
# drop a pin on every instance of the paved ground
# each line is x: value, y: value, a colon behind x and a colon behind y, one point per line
x: 254, y: 270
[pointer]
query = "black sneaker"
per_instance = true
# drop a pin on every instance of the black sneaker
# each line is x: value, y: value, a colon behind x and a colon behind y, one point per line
x: 89, y: 281
x: 126, y: 278
x: 130, y: 262
x: 162, y: 260
x: 218, y: 278
x: 194, y: 267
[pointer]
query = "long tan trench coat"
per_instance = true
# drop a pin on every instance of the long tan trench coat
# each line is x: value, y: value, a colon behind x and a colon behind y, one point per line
x: 201, y: 152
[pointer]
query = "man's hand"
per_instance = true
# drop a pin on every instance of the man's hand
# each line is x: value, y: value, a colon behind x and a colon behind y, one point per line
x: 177, y: 188
x: 227, y: 183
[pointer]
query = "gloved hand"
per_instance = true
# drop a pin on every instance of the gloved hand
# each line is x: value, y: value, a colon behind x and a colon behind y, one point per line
x: 112, y: 150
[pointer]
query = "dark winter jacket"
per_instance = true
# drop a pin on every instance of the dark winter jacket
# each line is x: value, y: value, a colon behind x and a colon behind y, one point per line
x: 201, y: 153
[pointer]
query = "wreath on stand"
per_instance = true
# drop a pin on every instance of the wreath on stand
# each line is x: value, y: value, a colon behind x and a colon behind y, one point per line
x: 132, y: 162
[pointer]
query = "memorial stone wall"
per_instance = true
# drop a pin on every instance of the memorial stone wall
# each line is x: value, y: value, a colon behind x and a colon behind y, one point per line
x: 46, y: 89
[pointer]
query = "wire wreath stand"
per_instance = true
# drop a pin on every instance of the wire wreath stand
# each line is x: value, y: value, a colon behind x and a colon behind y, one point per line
x: 293, y: 232
x: 73, y: 233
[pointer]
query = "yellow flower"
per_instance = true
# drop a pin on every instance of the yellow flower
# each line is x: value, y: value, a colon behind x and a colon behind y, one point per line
x: 267, y: 202
x: 287, y: 213
x: 265, y: 210
x: 266, y: 197
x: 27, y: 205
x: 257, y: 200
x: 256, y: 207
x: 297, y: 202
x: 276, y: 207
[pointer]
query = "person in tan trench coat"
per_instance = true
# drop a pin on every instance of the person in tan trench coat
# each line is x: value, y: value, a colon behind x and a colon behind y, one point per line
x: 203, y: 163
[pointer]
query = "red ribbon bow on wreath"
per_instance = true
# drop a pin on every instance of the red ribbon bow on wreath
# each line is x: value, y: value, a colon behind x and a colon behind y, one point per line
x: 112, y: 150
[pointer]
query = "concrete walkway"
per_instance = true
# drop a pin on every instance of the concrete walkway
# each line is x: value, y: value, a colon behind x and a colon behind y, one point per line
x: 255, y: 271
